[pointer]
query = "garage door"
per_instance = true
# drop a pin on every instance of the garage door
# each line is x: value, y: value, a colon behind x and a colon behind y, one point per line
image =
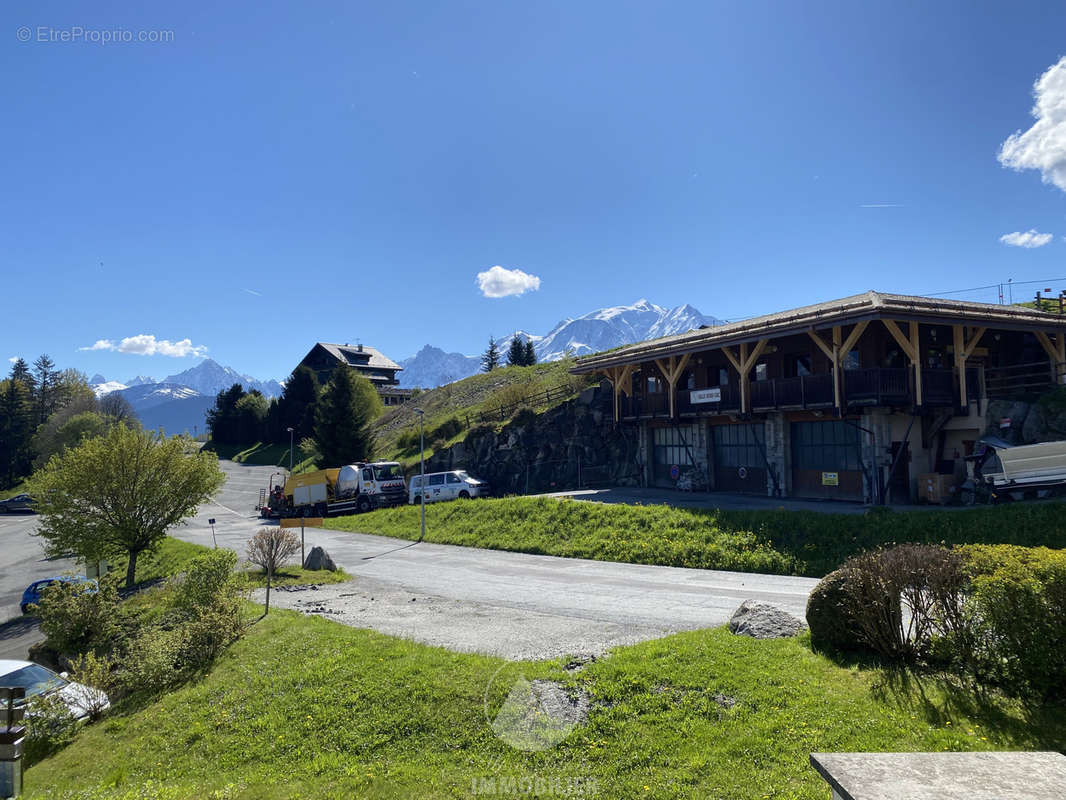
x: 738, y: 455
x: 826, y: 460
x: 673, y: 453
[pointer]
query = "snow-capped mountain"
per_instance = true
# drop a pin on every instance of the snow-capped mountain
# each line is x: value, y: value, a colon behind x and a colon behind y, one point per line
x: 101, y: 387
x: 209, y: 378
x: 598, y: 330
x: 431, y: 366
x: 616, y: 326
x: 180, y: 402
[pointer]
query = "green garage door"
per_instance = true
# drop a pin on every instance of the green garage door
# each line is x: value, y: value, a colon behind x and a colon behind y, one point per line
x: 826, y: 460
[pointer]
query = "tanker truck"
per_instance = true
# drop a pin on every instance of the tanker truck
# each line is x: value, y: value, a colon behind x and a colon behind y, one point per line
x: 341, y: 490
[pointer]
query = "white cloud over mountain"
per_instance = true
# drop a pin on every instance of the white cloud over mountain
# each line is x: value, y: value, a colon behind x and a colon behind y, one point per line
x: 500, y: 282
x: 1028, y: 239
x: 1043, y: 146
x: 145, y: 344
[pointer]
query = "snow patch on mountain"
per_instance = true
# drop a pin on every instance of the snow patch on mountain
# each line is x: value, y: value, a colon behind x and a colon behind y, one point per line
x: 598, y: 330
x: 209, y: 378
x: 100, y: 388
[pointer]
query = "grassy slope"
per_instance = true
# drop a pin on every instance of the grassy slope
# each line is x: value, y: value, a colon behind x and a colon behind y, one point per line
x: 171, y: 557
x: 262, y: 454
x: 785, y: 542
x: 306, y: 708
x: 481, y: 393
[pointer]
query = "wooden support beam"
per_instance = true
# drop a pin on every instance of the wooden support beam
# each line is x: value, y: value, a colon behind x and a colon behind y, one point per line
x: 1056, y: 350
x: 973, y: 342
x: 853, y: 337
x: 901, y: 340
x: 821, y: 345
x: 745, y: 383
x: 728, y: 352
x: 959, y: 345
x: 916, y: 359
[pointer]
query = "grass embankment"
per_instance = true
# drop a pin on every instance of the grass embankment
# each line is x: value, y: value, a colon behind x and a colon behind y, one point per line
x: 171, y: 557
x: 781, y: 542
x: 452, y: 410
x: 305, y: 708
x: 262, y: 454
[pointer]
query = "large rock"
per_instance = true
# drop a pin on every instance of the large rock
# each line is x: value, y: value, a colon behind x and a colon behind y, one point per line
x: 764, y: 621
x: 319, y: 559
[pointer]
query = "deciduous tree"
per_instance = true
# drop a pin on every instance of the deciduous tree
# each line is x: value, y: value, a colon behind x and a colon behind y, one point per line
x: 269, y: 548
x: 120, y: 493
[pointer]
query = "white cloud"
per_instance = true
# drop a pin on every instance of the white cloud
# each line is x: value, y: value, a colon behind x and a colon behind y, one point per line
x: 1043, y: 146
x: 253, y: 291
x: 881, y: 205
x: 1028, y: 239
x: 13, y: 359
x: 500, y: 282
x: 145, y: 344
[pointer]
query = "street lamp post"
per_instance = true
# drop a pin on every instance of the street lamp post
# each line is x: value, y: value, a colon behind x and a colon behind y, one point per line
x: 290, y: 449
x: 422, y: 469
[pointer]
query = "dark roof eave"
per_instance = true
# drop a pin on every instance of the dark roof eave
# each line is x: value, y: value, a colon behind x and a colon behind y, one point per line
x: 699, y: 341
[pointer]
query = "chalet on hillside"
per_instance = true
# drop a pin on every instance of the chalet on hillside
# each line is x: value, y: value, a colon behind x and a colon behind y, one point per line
x: 378, y: 368
x: 850, y: 399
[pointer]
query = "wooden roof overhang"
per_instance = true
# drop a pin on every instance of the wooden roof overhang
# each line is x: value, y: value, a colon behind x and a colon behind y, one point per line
x: 847, y: 311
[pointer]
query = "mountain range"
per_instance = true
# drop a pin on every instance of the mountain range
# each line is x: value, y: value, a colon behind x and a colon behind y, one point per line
x: 179, y: 403
x: 598, y: 330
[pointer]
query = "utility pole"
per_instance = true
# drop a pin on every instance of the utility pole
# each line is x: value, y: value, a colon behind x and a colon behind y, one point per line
x: 290, y: 450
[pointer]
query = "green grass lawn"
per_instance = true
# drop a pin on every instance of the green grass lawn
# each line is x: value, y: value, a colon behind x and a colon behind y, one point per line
x: 306, y: 708
x: 171, y: 557
x: 780, y: 542
x: 290, y: 575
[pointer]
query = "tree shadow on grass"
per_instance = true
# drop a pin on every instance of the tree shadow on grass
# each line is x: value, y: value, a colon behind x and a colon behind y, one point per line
x: 940, y: 697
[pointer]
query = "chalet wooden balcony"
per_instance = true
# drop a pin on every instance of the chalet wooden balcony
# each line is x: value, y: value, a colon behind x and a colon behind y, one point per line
x: 879, y: 386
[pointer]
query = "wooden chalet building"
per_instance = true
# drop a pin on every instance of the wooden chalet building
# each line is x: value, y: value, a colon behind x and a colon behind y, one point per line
x: 372, y: 364
x: 851, y: 399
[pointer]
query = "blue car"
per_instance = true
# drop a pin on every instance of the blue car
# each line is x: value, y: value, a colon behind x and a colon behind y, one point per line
x: 33, y: 591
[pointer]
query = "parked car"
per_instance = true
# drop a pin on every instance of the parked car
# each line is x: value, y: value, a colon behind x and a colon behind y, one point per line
x: 20, y: 502
x: 80, y: 699
x: 33, y: 591
x: 447, y: 486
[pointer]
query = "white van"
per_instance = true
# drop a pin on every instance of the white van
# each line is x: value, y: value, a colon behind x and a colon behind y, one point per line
x: 447, y: 486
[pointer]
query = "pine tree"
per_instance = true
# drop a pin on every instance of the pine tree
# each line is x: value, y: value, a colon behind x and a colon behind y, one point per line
x: 45, y: 376
x: 298, y: 404
x: 222, y: 417
x: 342, y: 418
x: 530, y: 354
x: 490, y: 359
x: 20, y: 371
x: 516, y: 353
x: 16, y: 430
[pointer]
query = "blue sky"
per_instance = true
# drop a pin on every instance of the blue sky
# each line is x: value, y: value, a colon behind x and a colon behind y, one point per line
x: 279, y: 174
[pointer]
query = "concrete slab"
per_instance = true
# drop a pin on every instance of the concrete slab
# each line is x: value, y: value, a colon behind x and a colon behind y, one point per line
x: 944, y: 776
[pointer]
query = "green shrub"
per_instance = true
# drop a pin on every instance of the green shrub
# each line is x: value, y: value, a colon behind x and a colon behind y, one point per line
x: 209, y: 580
x: 76, y: 620
x: 903, y: 598
x: 49, y: 727
x: 150, y: 660
x: 446, y: 430
x: 1018, y: 614
x: 830, y: 618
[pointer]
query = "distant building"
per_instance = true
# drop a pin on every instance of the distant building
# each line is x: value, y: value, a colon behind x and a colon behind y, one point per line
x: 376, y: 367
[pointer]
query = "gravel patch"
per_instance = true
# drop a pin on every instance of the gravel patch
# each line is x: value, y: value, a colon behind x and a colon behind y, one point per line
x: 516, y: 634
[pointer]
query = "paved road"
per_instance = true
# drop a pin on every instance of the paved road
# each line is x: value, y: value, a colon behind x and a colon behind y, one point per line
x: 22, y: 562
x: 510, y: 604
